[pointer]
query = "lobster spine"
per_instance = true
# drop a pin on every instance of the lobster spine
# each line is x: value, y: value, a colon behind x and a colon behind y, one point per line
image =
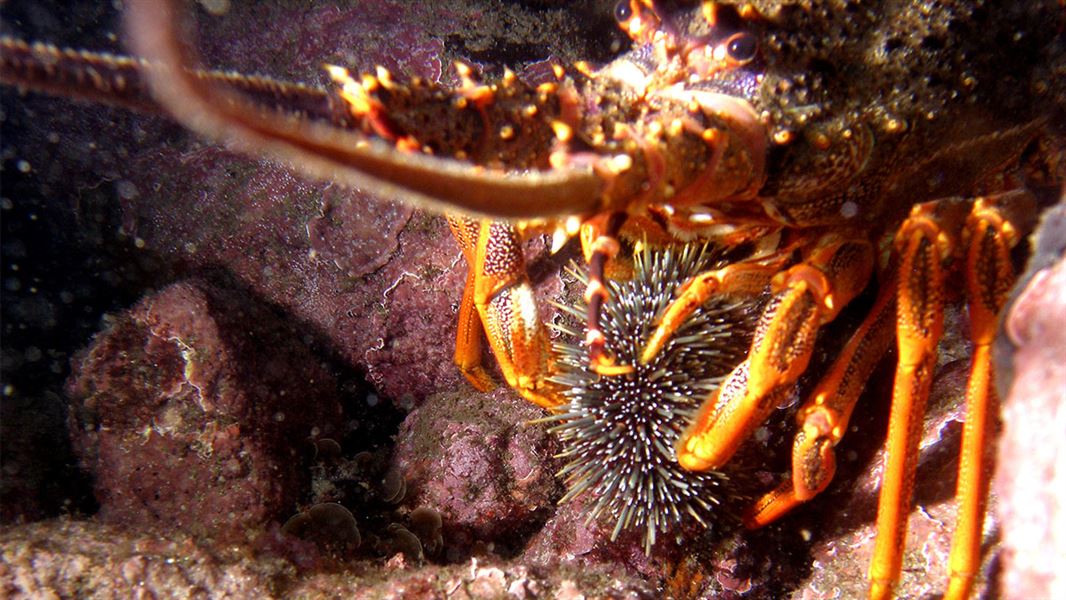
x: 505, y: 124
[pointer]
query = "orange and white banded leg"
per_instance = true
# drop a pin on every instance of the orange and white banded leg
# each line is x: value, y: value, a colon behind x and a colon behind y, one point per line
x: 806, y: 296
x: 500, y: 291
x: 599, y: 242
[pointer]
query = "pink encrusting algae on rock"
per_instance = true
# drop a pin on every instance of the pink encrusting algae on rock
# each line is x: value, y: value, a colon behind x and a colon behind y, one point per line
x: 190, y: 411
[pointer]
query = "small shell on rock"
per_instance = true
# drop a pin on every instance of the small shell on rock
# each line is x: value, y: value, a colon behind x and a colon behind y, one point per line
x: 322, y: 450
x: 426, y: 524
x: 329, y: 525
x: 393, y: 487
x: 327, y: 449
x: 405, y: 542
x: 364, y: 461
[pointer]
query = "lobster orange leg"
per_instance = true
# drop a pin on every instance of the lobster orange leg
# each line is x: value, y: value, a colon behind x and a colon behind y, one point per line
x: 925, y: 245
x: 925, y: 242
x: 498, y: 289
x: 469, y: 332
x: 599, y: 242
x: 823, y: 419
x: 807, y: 295
x: 748, y: 279
x: 989, y: 275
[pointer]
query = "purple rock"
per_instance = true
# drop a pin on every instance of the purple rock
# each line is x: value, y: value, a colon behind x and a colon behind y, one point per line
x: 192, y: 409
x: 1030, y: 474
x: 477, y: 460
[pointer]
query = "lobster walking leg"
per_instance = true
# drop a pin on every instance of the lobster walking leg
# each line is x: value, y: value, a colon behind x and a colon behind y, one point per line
x: 989, y: 274
x: 499, y: 289
x: 469, y: 332
x: 806, y: 296
x: 742, y: 278
x: 599, y: 240
x: 823, y: 419
x: 913, y: 296
x: 926, y: 242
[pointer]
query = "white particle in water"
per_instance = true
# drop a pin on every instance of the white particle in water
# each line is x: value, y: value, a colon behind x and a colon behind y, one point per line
x: 849, y: 209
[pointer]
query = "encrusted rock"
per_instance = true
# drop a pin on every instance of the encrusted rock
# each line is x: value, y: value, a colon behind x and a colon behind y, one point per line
x: 191, y: 411
x: 69, y: 559
x: 1031, y: 472
x: 476, y: 459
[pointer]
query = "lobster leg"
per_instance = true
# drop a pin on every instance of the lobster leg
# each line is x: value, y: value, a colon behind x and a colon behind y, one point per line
x: 989, y: 275
x: 924, y: 244
x: 925, y: 241
x: 747, y: 279
x: 806, y: 296
x: 469, y: 332
x: 599, y: 242
x: 498, y: 288
x: 823, y: 419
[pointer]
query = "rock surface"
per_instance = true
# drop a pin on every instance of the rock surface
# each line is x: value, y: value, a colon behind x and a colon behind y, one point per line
x: 1031, y: 475
x: 90, y: 560
x: 191, y: 411
x: 478, y: 460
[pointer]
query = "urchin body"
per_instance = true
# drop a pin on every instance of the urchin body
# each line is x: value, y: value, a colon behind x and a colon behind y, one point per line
x: 620, y: 431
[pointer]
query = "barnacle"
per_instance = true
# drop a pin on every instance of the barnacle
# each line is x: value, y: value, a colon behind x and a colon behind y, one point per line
x: 619, y: 431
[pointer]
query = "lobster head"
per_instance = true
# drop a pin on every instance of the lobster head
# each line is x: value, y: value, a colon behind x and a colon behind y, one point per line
x: 666, y: 124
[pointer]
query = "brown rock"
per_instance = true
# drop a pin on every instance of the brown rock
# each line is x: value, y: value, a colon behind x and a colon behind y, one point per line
x: 191, y: 411
x: 77, y: 559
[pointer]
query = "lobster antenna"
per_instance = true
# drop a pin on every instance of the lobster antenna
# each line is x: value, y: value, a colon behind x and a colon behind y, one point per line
x: 120, y: 81
x: 334, y: 154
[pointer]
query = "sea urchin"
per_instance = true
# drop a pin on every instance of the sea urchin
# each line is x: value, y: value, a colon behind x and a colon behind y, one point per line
x: 619, y: 431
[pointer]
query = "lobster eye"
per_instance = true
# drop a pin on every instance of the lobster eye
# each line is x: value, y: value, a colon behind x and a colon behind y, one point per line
x: 623, y: 11
x: 741, y: 47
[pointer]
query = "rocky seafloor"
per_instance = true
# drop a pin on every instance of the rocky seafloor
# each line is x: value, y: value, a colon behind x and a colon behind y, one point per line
x: 222, y: 380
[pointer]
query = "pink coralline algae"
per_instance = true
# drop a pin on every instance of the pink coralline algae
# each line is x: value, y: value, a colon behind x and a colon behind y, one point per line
x: 477, y: 460
x: 1031, y: 472
x: 191, y: 411
x: 339, y: 260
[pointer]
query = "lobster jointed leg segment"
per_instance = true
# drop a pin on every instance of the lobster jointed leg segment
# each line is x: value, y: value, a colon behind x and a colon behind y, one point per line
x: 823, y: 419
x: 469, y: 331
x: 747, y: 279
x: 994, y: 226
x: 806, y: 296
x: 927, y: 243
x: 600, y: 245
x: 937, y: 237
x: 989, y: 275
x: 499, y: 290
